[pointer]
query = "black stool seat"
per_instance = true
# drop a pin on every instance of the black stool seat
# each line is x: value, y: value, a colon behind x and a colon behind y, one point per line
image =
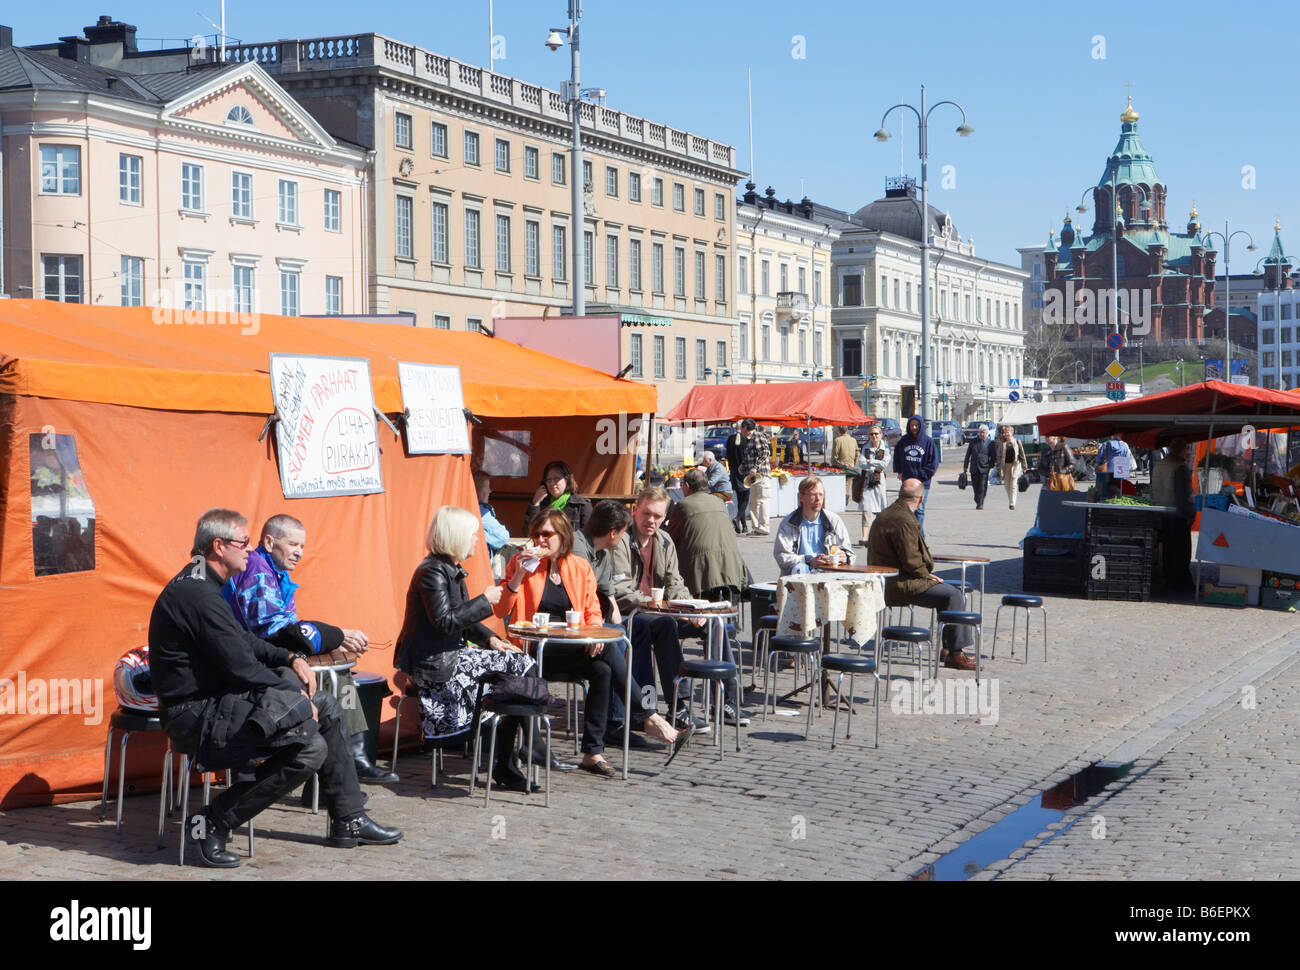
x: 1020, y: 599
x: 768, y: 622
x: 514, y: 710
x: 959, y: 618
x: 965, y: 586
x: 731, y: 629
x: 848, y: 663
x: 794, y: 645
x: 707, y: 669
x: 907, y: 634
x: 127, y: 719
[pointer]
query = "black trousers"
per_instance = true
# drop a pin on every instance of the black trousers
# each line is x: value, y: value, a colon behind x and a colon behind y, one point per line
x: 290, y: 759
x: 742, y: 506
x: 604, y: 673
x: 941, y: 596
x: 979, y: 481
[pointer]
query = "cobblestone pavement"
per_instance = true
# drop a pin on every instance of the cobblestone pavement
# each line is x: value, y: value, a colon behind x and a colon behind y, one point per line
x: 789, y: 808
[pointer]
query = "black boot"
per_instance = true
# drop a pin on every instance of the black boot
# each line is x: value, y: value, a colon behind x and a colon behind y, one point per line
x: 209, y: 841
x: 360, y: 829
x: 367, y: 773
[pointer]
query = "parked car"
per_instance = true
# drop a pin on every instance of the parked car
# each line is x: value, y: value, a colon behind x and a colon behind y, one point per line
x: 972, y: 431
x: 947, y: 432
x: 891, y: 431
x: 715, y: 440
x: 812, y: 443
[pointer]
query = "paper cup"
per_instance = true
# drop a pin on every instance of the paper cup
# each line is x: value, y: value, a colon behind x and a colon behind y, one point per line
x: 572, y: 619
x: 657, y: 594
x: 541, y: 620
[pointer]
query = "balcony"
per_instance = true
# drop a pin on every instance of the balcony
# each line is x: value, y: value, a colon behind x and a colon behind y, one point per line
x: 791, y: 306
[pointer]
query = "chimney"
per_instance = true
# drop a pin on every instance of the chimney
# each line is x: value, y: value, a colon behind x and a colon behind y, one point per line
x: 110, y: 41
x: 74, y: 49
x: 6, y: 37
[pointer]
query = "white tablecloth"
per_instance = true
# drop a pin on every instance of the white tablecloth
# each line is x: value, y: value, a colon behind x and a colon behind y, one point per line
x: 807, y: 601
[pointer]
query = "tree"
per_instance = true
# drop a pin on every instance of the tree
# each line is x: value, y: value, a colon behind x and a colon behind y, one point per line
x: 1049, y: 354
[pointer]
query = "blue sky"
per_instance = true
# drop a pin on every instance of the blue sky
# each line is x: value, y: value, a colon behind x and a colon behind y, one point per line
x: 1044, y: 104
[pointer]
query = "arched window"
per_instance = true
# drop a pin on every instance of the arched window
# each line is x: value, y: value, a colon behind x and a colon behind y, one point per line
x: 240, y: 115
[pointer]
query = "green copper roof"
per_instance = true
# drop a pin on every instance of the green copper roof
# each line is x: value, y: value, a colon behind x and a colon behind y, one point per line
x: 1130, y: 163
x: 1275, y: 254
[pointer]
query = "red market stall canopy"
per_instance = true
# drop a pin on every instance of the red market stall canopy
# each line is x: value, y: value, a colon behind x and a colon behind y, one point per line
x: 1182, y: 412
x: 803, y: 404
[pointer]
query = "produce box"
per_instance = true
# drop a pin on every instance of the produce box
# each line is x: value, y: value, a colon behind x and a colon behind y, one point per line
x: 1278, y: 580
x: 1279, y: 599
x: 1224, y: 595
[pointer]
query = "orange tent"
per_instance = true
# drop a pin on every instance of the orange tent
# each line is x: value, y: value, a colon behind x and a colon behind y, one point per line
x: 165, y: 417
x: 797, y: 404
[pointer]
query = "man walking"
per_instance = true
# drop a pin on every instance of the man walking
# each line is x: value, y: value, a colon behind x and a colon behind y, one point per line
x: 756, y: 460
x: 979, y: 459
x: 844, y: 455
x: 915, y: 456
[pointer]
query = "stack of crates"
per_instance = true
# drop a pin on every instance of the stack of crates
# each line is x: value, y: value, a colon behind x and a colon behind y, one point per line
x: 1053, y: 565
x: 1121, y: 554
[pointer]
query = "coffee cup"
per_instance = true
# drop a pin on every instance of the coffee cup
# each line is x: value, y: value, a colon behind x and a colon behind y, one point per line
x: 541, y: 620
x: 657, y: 595
x: 572, y: 619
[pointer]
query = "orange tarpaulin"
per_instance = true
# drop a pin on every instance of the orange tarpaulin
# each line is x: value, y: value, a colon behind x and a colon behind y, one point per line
x: 805, y: 403
x: 165, y: 420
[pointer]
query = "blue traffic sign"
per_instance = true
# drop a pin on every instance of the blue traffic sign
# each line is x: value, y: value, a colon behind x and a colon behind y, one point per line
x: 1115, y: 341
x: 1014, y: 396
x: 1013, y: 382
x: 1116, y: 395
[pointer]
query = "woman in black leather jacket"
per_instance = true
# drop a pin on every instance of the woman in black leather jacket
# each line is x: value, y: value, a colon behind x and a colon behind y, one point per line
x: 432, y: 648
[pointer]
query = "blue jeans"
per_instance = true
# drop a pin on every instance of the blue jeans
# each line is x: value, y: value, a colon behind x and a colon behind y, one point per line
x: 920, y: 512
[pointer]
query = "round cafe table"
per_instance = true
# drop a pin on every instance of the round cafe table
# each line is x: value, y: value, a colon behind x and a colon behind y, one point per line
x: 848, y: 572
x: 581, y: 636
x: 965, y: 561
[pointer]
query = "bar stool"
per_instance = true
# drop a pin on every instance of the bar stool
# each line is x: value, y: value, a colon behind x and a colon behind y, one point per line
x: 496, y: 711
x: 915, y: 638
x: 1020, y: 601
x: 713, y: 672
x: 763, y: 635
x: 851, y: 664
x: 949, y: 618
x: 131, y: 722
x: 811, y: 651
x: 183, y: 779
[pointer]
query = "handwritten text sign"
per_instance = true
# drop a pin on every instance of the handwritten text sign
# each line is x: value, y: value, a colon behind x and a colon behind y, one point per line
x: 433, y: 397
x: 326, y: 434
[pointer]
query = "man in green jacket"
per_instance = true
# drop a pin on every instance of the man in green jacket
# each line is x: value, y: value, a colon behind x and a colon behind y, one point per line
x: 896, y: 540
x: 706, y: 543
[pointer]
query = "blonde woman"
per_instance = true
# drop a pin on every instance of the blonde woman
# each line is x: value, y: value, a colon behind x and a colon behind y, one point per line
x: 1011, y: 463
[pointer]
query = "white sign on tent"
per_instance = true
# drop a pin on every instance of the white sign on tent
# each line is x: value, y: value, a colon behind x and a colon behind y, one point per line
x: 436, y: 406
x: 327, y: 437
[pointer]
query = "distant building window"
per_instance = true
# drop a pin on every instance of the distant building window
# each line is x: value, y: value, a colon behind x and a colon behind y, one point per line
x: 720, y: 274
x: 721, y: 359
x: 63, y: 515
x: 700, y: 291
x: 403, y: 131
x: 559, y: 251
x: 657, y: 267
x: 60, y: 170
x: 699, y: 202
x: 472, y: 259
x: 852, y: 290
x: 289, y: 283
x: 742, y: 274
x: 334, y: 295
x: 532, y: 248
x: 196, y: 274
x: 241, y: 195
x: 634, y: 355
x: 242, y: 277
x: 441, y: 322
x: 503, y: 244
x: 333, y: 210
x: 720, y: 207
x: 679, y: 346
x: 634, y: 264
x: 657, y: 192
x: 679, y: 271
x: 503, y: 155
x: 679, y: 197
x: 471, y: 148
x: 659, y: 356
x: 611, y: 261
x: 132, y: 281
x: 438, y: 211
x: 557, y: 168
x: 634, y: 186
x: 701, y: 359
x: 587, y: 176
x: 241, y: 116
x: 531, y: 163
x: 589, y: 258
x: 129, y: 178
x: 438, y: 139
x: 611, y: 181
x: 405, y: 208
x: 192, y: 187
x: 288, y: 195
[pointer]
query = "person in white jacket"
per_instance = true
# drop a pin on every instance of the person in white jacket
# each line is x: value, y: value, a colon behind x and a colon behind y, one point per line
x: 811, y: 535
x: 873, y: 462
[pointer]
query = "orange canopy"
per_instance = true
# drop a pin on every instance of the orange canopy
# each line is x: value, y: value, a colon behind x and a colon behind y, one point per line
x: 801, y: 404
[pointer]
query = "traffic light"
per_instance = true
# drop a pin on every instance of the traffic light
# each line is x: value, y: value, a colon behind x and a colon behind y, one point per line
x: 907, y: 399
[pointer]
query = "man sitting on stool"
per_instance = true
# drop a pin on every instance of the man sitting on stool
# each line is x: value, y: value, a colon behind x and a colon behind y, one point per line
x: 262, y: 597
x: 896, y: 541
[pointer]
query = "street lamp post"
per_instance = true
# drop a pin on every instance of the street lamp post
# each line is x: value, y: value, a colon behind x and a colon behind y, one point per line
x: 923, y: 142
x: 577, y: 226
x: 1226, y: 236
x: 986, y: 388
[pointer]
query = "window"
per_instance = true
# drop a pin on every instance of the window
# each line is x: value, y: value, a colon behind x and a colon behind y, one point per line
x: 132, y: 281
x: 503, y: 155
x: 611, y: 261
x: 803, y: 350
x: 589, y: 258
x: 852, y: 290
x: 1286, y: 332
x: 531, y: 162
x: 634, y: 355
x: 742, y: 275
x: 657, y: 267
x: 471, y: 148
x: 438, y: 139
x: 997, y: 313
x: 634, y: 186
x: 679, y: 197
x: 129, y: 178
x: 241, y: 116
x: 679, y: 271
x: 532, y: 248
x: 720, y: 207
x: 195, y: 283
x: 785, y: 279
x: 988, y: 311
x: 557, y: 168
x: 767, y: 342
x: 766, y: 274
x: 817, y: 287
x: 1268, y: 313
x: 242, y: 278
x: 192, y: 188
x: 405, y: 209
x: 439, y: 224
x: 785, y: 344
x: 289, y: 282
x: 701, y: 359
x: 1286, y: 313
x: 907, y: 290
x: 1268, y: 358
x: 334, y: 295
x: 611, y: 181
x: 333, y: 210
x: 898, y: 361
x: 817, y: 348
x: 634, y: 264
x: 1286, y: 358
x: 587, y: 176
x: 657, y: 192
x: 679, y: 347
x: 288, y: 203
x: 897, y: 303
x: 659, y: 356
x: 63, y: 515
x: 884, y: 291
x: 241, y: 195
x: 503, y: 244
x: 559, y: 250
x: 744, y: 340
x: 803, y: 280
x: 60, y: 170
x: 699, y: 202
x: 720, y: 361
x: 966, y: 315
x: 402, y: 131
x: 474, y: 325
x: 700, y: 293
x: 441, y: 321
x: 472, y: 259
x: 720, y: 278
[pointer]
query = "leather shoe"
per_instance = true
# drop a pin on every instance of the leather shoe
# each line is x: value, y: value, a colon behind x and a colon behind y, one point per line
x: 360, y: 829
x: 211, y: 848
x: 367, y: 772
x: 514, y: 781
x: 956, y: 661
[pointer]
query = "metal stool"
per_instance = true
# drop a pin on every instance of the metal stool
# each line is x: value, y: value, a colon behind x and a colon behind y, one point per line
x: 763, y: 635
x: 949, y: 618
x: 713, y: 672
x: 131, y: 722
x: 811, y: 650
x: 183, y: 779
x: 915, y: 637
x: 851, y: 664
x: 532, y: 712
x: 1019, y: 601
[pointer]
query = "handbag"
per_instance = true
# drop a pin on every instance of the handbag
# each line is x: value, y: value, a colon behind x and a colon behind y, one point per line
x: 962, y: 481
x: 513, y: 689
x: 1061, y: 482
x: 1022, y: 483
x: 437, y: 668
x: 858, y: 482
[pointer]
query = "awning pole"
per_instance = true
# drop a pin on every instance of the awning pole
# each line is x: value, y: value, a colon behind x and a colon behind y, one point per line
x: 1205, y: 483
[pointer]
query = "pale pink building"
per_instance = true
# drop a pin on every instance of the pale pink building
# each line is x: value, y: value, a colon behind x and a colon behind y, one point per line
x: 208, y: 188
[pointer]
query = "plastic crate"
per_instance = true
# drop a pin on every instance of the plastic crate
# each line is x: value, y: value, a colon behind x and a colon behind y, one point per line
x: 1052, y: 565
x: 1271, y: 598
x: 1126, y: 534
x: 1281, y: 581
x: 1110, y: 590
x: 1128, y: 517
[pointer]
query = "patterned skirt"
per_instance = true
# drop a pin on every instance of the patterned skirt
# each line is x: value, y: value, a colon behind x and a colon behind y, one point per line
x: 446, y: 709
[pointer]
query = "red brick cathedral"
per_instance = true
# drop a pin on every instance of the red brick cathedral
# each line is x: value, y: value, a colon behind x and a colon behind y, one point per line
x: 1165, y: 279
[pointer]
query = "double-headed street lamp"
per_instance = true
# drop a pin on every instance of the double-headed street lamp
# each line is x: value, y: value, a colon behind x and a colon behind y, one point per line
x: 1226, y: 236
x: 716, y: 375
x: 811, y: 376
x: 986, y: 388
x: 923, y: 142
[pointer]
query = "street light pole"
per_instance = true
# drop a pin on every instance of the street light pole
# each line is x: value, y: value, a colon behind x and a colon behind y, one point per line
x: 1114, y: 245
x: 1226, y: 236
x: 578, y: 225
x: 923, y: 143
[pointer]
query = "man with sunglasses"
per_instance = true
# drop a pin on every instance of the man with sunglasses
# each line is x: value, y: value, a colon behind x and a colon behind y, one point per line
x: 232, y: 700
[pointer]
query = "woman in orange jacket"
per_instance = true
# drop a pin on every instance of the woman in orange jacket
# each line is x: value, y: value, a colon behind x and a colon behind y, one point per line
x: 558, y: 582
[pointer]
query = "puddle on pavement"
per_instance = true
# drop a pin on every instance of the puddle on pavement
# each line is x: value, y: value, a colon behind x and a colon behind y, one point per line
x: 1004, y: 837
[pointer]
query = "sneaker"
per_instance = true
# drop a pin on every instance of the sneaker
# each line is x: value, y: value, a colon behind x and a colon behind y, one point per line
x: 730, y: 713
x: 682, y: 720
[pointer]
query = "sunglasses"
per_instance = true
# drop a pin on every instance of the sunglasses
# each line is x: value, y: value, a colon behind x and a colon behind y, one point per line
x: 238, y: 543
x: 552, y: 481
x: 543, y: 535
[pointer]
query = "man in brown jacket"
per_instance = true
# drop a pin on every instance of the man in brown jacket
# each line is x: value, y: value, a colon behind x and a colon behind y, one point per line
x: 896, y: 540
